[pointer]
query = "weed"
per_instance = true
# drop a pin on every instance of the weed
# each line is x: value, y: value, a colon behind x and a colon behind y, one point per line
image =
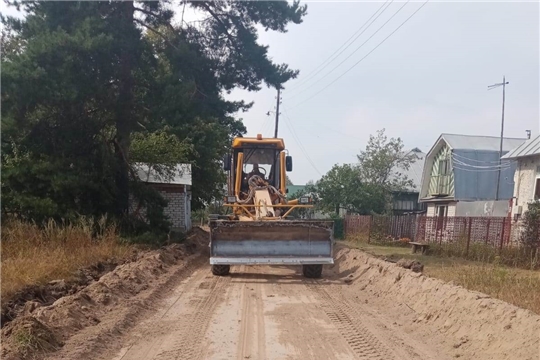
x: 35, y: 255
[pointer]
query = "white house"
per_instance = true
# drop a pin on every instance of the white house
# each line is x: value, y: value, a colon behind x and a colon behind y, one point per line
x: 176, y: 189
x: 460, y: 176
x: 527, y: 176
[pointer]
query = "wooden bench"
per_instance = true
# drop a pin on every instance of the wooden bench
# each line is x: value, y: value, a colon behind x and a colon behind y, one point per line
x: 416, y: 245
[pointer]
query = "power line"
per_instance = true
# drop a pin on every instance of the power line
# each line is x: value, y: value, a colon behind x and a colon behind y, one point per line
x: 464, y: 158
x: 477, y: 170
x: 503, y: 166
x: 297, y: 139
x: 359, y: 61
x: 358, y: 48
x: 332, y: 57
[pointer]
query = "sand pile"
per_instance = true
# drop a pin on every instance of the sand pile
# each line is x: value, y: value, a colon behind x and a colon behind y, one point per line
x: 111, y: 303
x: 482, y: 327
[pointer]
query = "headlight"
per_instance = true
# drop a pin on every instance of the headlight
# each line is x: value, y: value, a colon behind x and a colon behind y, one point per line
x: 304, y: 200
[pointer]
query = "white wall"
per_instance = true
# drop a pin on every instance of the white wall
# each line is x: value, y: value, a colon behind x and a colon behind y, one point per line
x: 178, y: 209
x: 431, y: 209
x: 498, y: 208
x: 524, y: 182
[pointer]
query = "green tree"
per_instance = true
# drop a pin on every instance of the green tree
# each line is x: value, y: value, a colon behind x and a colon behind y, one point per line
x: 384, y: 161
x: 288, y: 180
x: 81, y: 79
x: 342, y: 187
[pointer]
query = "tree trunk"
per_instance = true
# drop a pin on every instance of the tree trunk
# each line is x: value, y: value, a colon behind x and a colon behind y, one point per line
x: 124, y: 115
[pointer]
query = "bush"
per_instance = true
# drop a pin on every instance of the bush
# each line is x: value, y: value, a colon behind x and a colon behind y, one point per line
x: 530, y: 236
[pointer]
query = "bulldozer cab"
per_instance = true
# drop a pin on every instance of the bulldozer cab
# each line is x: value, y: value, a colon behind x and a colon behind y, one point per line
x: 265, y: 158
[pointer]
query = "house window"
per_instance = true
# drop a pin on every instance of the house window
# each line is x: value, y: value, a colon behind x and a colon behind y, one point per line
x: 441, y: 211
x: 404, y: 205
x: 537, y: 190
x: 443, y: 167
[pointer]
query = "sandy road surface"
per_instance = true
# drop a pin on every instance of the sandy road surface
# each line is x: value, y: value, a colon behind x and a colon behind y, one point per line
x: 268, y: 313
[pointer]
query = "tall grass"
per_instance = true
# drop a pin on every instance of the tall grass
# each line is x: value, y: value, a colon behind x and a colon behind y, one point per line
x: 515, y: 256
x: 516, y: 286
x: 35, y: 255
x: 512, y: 284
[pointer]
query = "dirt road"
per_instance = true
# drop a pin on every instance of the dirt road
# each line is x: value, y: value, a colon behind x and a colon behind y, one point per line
x: 268, y: 313
x: 166, y: 305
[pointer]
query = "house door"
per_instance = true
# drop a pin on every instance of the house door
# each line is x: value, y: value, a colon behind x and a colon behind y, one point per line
x: 441, y: 213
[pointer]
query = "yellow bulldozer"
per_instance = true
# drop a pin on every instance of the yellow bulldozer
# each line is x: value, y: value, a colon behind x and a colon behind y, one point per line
x: 259, y: 229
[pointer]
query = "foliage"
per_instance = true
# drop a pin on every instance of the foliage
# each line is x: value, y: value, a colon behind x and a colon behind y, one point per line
x: 365, y: 188
x: 342, y: 187
x: 309, y: 190
x: 288, y: 180
x: 339, y: 226
x: 383, y: 161
x: 89, y: 88
x: 530, y: 236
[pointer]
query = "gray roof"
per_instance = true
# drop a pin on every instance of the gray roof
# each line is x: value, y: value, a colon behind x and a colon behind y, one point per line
x: 181, y: 175
x: 415, y: 170
x: 472, y: 142
x: 528, y: 148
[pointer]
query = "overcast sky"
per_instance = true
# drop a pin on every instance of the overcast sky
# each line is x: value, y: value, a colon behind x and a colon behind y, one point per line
x: 429, y: 77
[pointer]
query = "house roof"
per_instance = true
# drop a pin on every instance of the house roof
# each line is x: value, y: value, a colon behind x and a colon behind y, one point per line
x: 473, y: 142
x: 414, y: 173
x: 181, y: 174
x: 528, y: 148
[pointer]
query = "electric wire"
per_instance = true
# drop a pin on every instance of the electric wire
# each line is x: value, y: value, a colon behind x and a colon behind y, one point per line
x: 359, y: 61
x: 479, y: 170
x: 300, y: 145
x: 464, y: 158
x: 503, y: 165
x: 332, y: 57
x: 354, y: 52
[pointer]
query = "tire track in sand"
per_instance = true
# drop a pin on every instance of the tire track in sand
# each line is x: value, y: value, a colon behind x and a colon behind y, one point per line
x: 359, y: 338
x: 252, y: 331
x: 178, y: 332
x: 188, y: 342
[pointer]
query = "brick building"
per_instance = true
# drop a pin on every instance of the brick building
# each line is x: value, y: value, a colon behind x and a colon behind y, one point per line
x: 175, y: 189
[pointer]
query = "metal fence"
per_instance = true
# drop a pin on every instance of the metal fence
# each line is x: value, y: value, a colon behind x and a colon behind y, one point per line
x: 493, y: 231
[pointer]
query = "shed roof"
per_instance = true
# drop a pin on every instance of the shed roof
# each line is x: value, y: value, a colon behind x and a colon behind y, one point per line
x: 473, y: 142
x: 528, y: 148
x: 181, y: 174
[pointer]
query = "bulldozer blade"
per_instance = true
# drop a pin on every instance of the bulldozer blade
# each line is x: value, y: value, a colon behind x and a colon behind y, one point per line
x: 283, y: 242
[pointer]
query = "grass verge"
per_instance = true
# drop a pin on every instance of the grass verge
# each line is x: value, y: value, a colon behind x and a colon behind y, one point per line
x: 34, y: 255
x: 511, y: 284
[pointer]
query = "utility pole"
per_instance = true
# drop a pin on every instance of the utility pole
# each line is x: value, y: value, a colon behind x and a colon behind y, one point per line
x: 277, y: 112
x: 503, y: 84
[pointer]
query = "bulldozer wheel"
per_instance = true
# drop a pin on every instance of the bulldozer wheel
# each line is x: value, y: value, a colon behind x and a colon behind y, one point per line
x: 312, y: 271
x: 221, y: 270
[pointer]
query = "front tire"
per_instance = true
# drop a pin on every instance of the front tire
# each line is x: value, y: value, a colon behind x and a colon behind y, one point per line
x: 312, y: 271
x: 221, y: 270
